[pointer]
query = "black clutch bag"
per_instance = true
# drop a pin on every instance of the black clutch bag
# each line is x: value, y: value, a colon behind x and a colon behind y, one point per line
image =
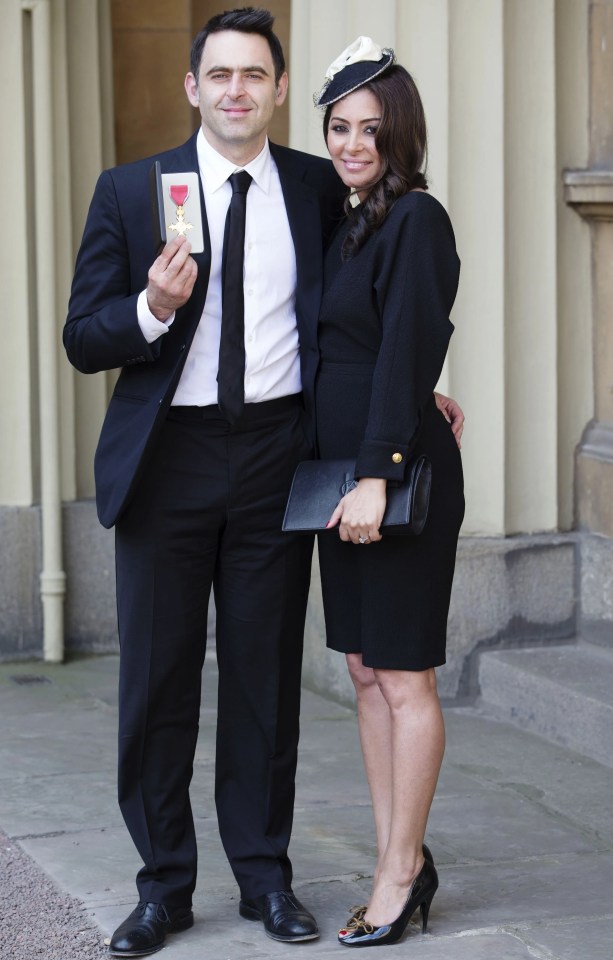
x: 318, y: 485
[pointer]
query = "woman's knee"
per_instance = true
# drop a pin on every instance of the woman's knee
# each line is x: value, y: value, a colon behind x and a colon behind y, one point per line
x: 363, y: 678
x: 407, y: 687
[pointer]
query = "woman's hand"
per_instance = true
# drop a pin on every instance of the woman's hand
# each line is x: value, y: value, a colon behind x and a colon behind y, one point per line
x: 453, y: 414
x: 360, y: 512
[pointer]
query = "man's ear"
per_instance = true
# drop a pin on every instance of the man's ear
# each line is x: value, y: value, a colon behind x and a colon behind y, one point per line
x: 281, y: 90
x: 191, y: 89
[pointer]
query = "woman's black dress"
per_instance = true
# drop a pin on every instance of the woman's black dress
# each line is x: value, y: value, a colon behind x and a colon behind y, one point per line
x: 384, y: 331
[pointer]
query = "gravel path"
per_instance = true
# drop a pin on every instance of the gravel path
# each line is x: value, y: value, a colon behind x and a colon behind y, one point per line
x: 38, y: 920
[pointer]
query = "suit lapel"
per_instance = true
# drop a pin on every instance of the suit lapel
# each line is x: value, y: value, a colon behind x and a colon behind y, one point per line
x: 304, y: 215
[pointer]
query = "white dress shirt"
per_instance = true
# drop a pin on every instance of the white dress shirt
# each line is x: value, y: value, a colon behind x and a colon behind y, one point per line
x: 272, y: 367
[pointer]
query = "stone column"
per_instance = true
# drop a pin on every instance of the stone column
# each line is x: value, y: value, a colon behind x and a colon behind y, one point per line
x: 590, y: 193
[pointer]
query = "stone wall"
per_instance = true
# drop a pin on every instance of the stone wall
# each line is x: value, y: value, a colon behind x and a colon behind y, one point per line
x: 507, y: 592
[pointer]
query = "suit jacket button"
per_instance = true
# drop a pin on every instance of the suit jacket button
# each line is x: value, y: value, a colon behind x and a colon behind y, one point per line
x: 397, y: 457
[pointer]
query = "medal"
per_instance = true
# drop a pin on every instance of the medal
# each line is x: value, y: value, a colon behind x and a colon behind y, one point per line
x: 179, y: 193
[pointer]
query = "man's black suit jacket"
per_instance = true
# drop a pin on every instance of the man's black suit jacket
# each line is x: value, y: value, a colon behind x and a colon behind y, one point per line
x: 102, y: 331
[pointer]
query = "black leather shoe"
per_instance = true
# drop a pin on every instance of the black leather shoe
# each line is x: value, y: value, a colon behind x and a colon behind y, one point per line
x: 144, y: 931
x: 282, y: 914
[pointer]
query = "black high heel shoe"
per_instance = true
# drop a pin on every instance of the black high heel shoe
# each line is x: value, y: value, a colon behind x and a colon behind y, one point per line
x: 357, y: 913
x: 421, y: 894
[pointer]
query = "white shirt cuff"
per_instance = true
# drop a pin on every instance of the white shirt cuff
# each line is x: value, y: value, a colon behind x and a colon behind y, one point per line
x: 151, y: 327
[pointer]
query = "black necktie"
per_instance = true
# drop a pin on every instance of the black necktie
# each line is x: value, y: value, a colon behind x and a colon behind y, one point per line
x: 231, y: 375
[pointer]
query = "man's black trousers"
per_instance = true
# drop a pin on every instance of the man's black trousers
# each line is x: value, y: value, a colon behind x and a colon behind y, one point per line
x: 208, y: 512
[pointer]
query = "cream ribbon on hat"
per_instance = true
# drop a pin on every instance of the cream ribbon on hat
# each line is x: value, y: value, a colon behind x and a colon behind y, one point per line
x: 361, y: 49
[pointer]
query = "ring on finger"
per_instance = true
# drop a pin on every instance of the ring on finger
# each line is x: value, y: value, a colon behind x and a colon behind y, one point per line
x: 363, y: 539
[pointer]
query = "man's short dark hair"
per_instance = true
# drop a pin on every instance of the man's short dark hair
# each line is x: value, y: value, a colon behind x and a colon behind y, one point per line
x: 244, y: 20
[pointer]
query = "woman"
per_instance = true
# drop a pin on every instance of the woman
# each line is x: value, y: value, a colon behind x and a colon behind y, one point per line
x: 390, y: 281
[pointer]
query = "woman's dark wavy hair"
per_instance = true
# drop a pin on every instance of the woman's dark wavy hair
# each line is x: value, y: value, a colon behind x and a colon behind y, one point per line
x: 244, y: 20
x: 401, y: 142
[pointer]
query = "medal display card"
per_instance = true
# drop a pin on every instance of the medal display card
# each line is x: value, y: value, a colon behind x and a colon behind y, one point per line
x: 175, y: 207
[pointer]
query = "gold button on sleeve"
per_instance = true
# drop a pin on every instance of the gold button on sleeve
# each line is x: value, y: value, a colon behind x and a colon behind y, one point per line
x: 397, y: 457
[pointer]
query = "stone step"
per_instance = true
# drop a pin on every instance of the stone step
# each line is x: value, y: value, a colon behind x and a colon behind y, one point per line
x: 562, y: 693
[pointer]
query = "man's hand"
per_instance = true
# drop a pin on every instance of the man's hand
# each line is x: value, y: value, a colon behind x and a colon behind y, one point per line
x: 453, y: 414
x: 171, y: 279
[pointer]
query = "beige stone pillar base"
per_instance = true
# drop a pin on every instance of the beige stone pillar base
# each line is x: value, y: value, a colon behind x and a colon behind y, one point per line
x: 595, y: 480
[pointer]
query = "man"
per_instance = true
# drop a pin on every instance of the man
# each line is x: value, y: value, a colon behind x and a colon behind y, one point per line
x: 196, y: 482
x: 198, y: 500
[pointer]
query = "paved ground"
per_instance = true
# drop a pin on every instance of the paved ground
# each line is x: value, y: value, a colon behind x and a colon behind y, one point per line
x: 521, y: 831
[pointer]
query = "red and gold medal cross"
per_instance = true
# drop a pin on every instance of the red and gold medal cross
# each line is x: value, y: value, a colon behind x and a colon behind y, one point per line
x: 179, y: 193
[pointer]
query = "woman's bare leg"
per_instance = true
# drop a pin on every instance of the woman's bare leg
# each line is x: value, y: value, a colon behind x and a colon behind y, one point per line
x: 417, y: 747
x: 374, y: 722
